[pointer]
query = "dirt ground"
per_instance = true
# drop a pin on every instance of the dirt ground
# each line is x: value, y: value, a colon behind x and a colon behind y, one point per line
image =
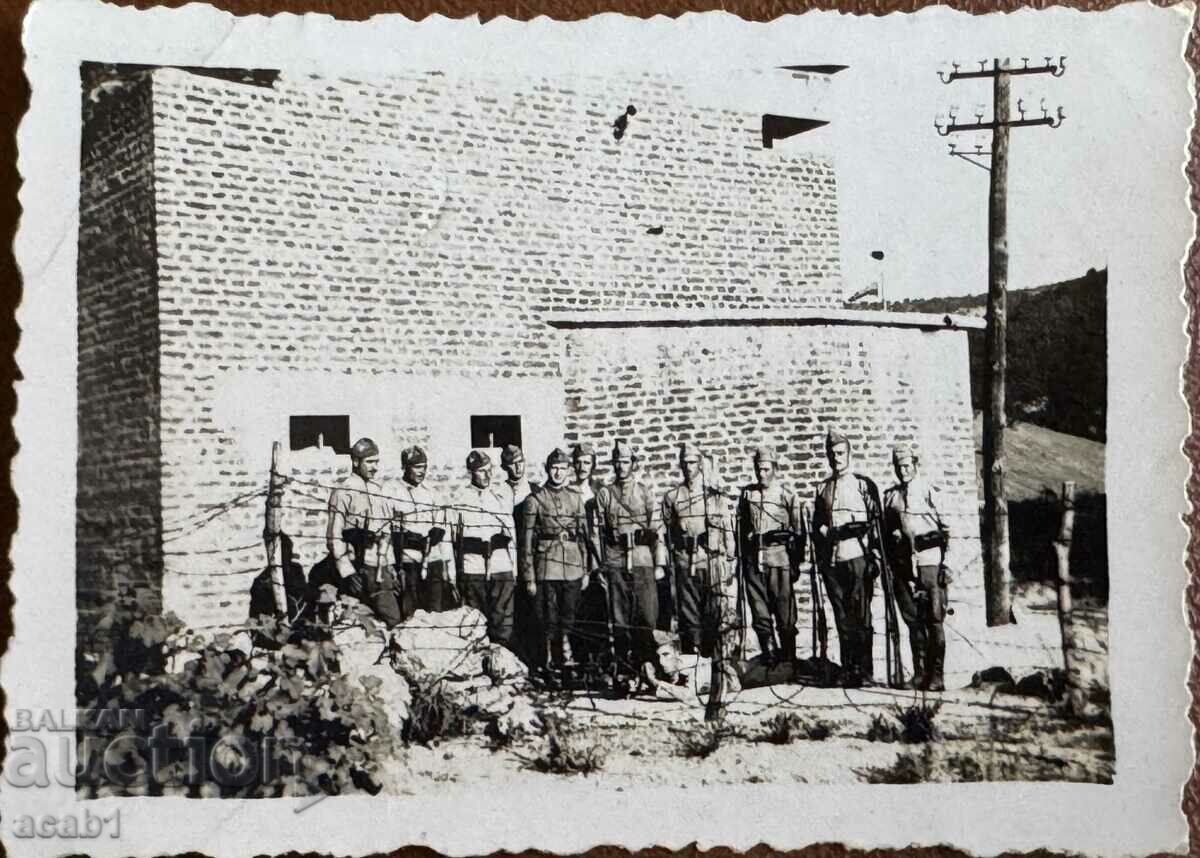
x: 839, y: 736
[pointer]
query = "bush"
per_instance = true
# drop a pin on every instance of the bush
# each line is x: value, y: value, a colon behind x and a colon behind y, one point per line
x: 917, y: 722
x: 911, y: 724
x: 567, y: 753
x: 908, y: 769
x: 883, y: 728
x: 788, y: 727
x: 433, y: 714
x: 703, y: 739
x: 216, y: 719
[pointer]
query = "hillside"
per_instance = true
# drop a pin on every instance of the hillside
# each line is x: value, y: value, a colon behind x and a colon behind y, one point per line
x: 1057, y: 352
x: 1040, y: 460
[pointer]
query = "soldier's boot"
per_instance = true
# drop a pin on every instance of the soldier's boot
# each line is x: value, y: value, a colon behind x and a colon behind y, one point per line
x: 787, y: 648
x: 866, y: 655
x: 936, y: 653
x: 768, y: 652
x: 918, y: 640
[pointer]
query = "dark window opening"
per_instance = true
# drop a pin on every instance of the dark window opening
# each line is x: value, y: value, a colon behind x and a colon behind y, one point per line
x: 495, y: 430
x: 319, y: 430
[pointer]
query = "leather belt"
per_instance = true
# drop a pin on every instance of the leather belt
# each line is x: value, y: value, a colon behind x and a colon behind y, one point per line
x: 770, y: 538
x: 562, y: 536
x: 476, y: 545
x: 929, y: 539
x: 629, y: 539
x: 690, y: 542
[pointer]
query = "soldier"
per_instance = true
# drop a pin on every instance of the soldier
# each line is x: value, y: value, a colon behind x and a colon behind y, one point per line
x: 917, y: 539
x: 771, y: 531
x: 845, y: 520
x: 553, y: 563
x: 634, y: 559
x: 420, y: 531
x: 700, y: 542
x: 484, y: 543
x: 589, y: 641
x: 527, y: 638
x: 357, y: 535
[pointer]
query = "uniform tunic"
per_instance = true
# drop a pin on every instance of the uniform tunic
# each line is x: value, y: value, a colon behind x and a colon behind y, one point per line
x: 626, y: 507
x: 845, y: 564
x: 768, y: 568
x: 699, y: 538
x: 359, y: 504
x: 555, y: 535
x: 482, y: 514
x: 419, y: 510
x: 913, y: 510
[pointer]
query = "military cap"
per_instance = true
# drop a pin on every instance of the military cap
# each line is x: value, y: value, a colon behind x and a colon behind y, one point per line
x: 413, y: 455
x: 364, y: 448
x: 833, y: 438
x: 477, y: 459
x: 623, y: 449
x: 509, y: 454
x: 558, y: 456
x: 583, y: 448
x: 765, y: 454
x: 900, y: 452
x: 688, y: 450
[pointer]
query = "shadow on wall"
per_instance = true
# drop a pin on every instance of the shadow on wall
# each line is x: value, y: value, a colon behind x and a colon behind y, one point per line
x: 1033, y: 526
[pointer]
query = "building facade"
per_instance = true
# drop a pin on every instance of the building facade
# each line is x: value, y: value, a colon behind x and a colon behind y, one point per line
x: 453, y: 262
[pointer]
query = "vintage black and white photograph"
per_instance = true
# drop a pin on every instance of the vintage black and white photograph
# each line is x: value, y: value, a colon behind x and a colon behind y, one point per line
x: 671, y: 406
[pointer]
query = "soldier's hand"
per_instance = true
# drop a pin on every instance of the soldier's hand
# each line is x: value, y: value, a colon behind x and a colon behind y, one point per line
x: 587, y: 579
x: 659, y: 573
x: 531, y: 588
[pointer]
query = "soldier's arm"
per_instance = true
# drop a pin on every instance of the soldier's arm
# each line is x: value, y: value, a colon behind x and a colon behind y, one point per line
x: 529, y: 518
x: 874, y: 513
x: 339, y: 550
x: 934, y: 501
x: 658, y: 535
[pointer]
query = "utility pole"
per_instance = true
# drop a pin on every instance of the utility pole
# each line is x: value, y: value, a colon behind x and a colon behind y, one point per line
x: 998, y: 575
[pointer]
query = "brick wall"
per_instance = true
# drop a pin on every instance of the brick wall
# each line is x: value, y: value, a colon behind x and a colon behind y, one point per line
x: 420, y: 230
x: 118, y: 521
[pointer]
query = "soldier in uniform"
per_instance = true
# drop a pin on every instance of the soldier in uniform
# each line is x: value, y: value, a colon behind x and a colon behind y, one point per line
x: 553, y: 561
x: 358, y: 535
x: 634, y: 559
x: 917, y: 539
x: 589, y: 641
x: 485, y: 546
x: 516, y: 488
x: 771, y: 532
x: 700, y: 542
x: 420, y: 532
x: 845, y: 521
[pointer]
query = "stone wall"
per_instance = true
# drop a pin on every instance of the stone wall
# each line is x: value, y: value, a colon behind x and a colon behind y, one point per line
x: 118, y: 522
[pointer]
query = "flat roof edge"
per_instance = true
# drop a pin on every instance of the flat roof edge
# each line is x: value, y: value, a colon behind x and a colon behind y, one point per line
x: 583, y: 319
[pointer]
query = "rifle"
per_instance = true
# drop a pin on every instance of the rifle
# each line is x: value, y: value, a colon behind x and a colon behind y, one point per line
x: 820, y: 630
x: 741, y: 587
x: 894, y: 663
x: 673, y: 623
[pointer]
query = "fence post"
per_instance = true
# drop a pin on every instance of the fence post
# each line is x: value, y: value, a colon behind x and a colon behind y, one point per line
x: 272, y: 534
x: 1062, y: 552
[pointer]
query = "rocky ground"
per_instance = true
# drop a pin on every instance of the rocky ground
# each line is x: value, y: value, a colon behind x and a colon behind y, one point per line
x: 782, y: 733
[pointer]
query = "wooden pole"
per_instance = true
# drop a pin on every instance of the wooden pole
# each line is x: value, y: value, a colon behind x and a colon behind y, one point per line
x: 272, y: 534
x: 995, y: 504
x: 1062, y: 553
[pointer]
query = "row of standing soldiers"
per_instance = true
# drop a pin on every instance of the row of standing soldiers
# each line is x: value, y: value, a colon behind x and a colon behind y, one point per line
x: 567, y: 572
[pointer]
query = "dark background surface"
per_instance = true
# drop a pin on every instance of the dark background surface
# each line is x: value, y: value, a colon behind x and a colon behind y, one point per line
x: 14, y: 97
